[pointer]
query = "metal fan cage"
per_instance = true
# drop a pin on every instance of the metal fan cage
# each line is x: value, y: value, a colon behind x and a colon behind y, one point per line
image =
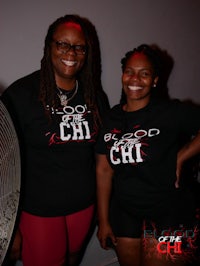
x: 9, y: 179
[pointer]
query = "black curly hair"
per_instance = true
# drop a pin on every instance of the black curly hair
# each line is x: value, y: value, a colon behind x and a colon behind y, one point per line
x: 151, y: 54
x: 90, y: 75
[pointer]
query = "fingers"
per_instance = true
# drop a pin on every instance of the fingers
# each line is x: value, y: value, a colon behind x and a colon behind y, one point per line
x: 177, y: 183
x: 109, y: 242
x: 178, y: 171
x: 114, y: 241
x: 103, y: 243
x: 106, y: 237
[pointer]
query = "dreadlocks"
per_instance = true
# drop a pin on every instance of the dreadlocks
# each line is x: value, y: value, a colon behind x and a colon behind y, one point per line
x: 90, y: 75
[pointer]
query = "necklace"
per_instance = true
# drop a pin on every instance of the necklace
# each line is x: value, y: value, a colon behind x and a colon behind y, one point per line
x: 63, y: 96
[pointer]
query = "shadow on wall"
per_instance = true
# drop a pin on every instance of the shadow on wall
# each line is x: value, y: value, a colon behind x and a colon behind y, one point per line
x: 166, y: 66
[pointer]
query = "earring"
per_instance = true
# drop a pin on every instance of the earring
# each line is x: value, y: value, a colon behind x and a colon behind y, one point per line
x: 154, y: 85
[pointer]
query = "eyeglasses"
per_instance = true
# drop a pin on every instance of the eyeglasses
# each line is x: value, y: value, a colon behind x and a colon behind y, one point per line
x: 64, y: 47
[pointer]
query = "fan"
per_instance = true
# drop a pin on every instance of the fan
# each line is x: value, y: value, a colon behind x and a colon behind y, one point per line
x: 10, y: 172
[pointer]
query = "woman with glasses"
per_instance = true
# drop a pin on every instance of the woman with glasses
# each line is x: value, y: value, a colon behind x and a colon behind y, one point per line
x: 57, y: 112
x: 145, y: 210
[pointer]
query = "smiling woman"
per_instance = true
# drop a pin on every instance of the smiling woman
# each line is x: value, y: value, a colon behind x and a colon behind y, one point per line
x: 138, y: 78
x: 67, y: 62
x: 140, y: 156
x: 57, y: 112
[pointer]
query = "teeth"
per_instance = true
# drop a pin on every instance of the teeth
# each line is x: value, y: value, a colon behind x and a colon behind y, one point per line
x: 69, y: 63
x: 134, y: 88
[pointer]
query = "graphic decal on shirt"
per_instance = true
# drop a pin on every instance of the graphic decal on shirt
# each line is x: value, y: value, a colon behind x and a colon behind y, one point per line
x: 128, y: 147
x: 74, y: 125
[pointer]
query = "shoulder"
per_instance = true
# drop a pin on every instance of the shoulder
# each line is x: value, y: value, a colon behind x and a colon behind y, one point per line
x: 164, y: 105
x: 103, y: 103
x: 22, y: 90
x: 185, y: 115
x: 184, y: 106
x: 115, y: 113
x: 115, y: 110
x: 29, y: 81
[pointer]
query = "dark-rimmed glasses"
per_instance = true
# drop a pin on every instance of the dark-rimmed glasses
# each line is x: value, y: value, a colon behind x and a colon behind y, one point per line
x: 64, y: 47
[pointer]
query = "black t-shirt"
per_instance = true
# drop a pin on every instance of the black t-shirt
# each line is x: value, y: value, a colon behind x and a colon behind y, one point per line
x: 58, y: 162
x: 142, y: 147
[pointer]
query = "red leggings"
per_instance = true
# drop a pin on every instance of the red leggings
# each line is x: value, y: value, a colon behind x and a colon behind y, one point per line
x: 47, y: 240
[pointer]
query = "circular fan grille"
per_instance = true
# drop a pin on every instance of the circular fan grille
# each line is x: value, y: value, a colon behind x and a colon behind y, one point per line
x: 9, y: 179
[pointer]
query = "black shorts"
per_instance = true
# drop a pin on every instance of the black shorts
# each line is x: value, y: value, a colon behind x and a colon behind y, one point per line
x: 178, y: 214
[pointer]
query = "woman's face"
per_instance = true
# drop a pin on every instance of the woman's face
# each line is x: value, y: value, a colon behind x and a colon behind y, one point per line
x: 67, y: 64
x: 138, y: 78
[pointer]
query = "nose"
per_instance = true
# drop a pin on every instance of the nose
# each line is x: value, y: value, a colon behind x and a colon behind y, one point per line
x: 135, y: 76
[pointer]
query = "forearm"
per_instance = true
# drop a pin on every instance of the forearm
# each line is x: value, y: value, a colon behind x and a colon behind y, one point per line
x: 104, y: 187
x: 190, y: 149
x: 104, y: 175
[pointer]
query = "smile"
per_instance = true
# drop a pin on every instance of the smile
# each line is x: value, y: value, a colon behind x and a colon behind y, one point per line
x: 135, y: 88
x: 69, y: 63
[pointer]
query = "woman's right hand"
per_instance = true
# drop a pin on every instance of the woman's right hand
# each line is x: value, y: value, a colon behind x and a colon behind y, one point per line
x: 106, y: 237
